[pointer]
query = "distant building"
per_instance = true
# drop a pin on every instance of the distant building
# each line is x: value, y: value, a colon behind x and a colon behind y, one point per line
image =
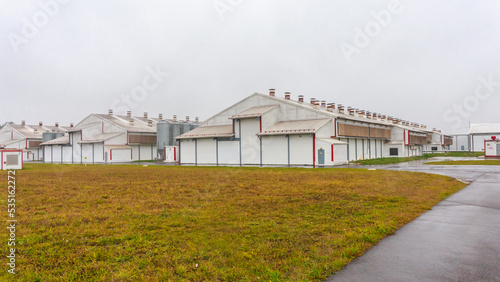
x: 27, y: 138
x: 107, y: 138
x: 479, y: 132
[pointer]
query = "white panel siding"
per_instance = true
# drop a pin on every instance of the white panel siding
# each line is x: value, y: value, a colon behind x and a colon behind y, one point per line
x: 120, y: 155
x: 250, y: 142
x: 229, y: 152
x: 187, y: 151
x: 274, y: 150
x: 206, y: 151
x: 340, y: 154
x: 301, y: 149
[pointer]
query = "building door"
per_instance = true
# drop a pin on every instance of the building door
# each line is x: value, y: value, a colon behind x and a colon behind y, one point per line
x: 498, y: 150
x: 321, y: 156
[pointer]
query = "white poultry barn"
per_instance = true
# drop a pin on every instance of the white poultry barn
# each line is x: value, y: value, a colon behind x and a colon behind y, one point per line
x: 269, y: 130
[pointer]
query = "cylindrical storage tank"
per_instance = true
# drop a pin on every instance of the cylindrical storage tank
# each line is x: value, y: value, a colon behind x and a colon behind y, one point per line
x: 194, y: 125
x: 185, y: 127
x: 162, y: 136
x: 58, y: 134
x: 176, y: 131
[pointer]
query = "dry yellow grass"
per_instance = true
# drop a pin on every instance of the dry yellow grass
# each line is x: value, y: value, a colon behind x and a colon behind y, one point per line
x: 126, y: 223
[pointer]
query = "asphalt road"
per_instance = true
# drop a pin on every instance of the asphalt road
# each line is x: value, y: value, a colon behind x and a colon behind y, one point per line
x: 458, y: 240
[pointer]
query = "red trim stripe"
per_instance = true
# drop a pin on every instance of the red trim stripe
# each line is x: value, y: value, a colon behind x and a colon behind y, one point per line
x: 314, y: 150
x: 332, y: 152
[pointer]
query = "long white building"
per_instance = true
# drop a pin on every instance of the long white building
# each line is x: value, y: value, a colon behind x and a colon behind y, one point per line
x: 107, y: 138
x: 269, y: 130
x: 479, y: 132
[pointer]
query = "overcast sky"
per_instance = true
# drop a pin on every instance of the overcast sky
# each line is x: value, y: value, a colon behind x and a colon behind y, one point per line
x: 431, y: 62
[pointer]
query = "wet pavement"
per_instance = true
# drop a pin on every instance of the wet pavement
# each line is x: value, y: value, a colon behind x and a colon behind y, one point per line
x: 458, y: 240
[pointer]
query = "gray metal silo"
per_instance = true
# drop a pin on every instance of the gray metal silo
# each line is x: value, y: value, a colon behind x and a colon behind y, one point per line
x: 48, y: 136
x: 176, y: 131
x: 185, y: 127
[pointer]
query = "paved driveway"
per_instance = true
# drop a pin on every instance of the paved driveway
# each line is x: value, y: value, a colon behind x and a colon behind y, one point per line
x: 458, y: 240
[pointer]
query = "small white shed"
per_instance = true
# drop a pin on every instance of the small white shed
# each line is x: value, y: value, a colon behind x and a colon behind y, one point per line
x: 492, y: 148
x: 11, y: 159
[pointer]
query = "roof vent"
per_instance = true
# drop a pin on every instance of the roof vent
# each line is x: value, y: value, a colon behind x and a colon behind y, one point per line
x: 57, y: 124
x: 35, y: 131
x: 150, y: 123
x: 110, y: 112
x: 313, y: 100
x: 129, y: 114
x: 196, y: 119
x: 40, y: 123
x: 71, y: 125
x: 330, y: 107
x: 323, y: 103
x: 23, y: 122
x: 187, y: 118
x: 301, y: 98
x: 131, y: 122
x: 160, y: 116
x: 145, y: 114
x: 341, y: 108
x: 272, y: 92
x: 175, y: 118
x: 287, y: 95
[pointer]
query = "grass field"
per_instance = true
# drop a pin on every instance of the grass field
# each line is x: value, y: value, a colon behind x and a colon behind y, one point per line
x: 156, y: 223
x: 467, y: 162
x: 384, y: 161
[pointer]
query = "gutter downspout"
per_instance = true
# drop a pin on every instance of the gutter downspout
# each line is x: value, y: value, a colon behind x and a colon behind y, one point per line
x: 314, y: 150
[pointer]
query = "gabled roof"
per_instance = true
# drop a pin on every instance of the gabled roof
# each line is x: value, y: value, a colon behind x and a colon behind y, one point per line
x: 485, y: 128
x: 8, y: 142
x: 98, y: 138
x: 63, y: 140
x: 88, y: 125
x: 118, y: 147
x: 332, y: 141
x: 208, y: 132
x: 36, y: 131
x: 139, y: 125
x: 295, y: 127
x: 254, y: 112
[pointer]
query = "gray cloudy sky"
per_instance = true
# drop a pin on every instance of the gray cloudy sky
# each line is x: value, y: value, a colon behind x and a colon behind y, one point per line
x: 432, y: 62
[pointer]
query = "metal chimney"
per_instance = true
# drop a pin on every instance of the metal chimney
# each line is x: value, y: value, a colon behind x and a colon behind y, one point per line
x: 145, y: 114
x: 287, y: 95
x: 272, y: 92
x: 301, y: 98
x: 110, y: 112
x: 129, y: 113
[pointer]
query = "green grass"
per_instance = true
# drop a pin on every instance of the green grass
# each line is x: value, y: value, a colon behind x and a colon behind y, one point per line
x: 158, y: 223
x: 384, y: 161
x: 468, y: 162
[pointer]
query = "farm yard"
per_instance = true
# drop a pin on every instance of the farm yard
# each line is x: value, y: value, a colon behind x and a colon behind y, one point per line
x: 128, y: 223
